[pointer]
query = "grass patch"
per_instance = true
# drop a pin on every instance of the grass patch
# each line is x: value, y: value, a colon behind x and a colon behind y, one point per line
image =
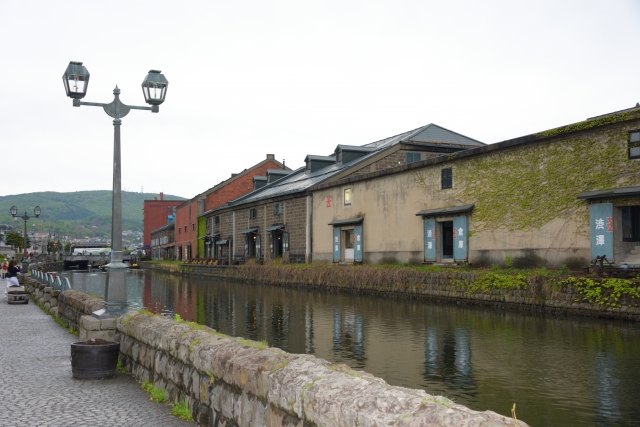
x: 196, y: 326
x: 155, y: 394
x: 177, y: 318
x: 259, y: 345
x: 497, y: 281
x: 212, y: 378
x: 606, y: 292
x: 193, y: 344
x: 145, y: 310
x: 281, y: 365
x: 120, y: 367
x: 440, y: 400
x: 181, y: 410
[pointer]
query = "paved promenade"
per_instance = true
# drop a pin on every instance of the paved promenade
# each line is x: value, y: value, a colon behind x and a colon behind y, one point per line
x: 37, y: 389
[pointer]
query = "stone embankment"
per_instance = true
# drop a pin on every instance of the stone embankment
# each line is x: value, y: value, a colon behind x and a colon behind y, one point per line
x: 232, y: 381
x: 542, y: 294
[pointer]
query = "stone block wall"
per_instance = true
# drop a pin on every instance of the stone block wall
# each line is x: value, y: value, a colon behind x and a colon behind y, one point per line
x: 296, y: 225
x: 539, y: 296
x: 229, y: 381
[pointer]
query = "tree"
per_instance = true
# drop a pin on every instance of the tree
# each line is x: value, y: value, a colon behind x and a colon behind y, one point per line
x: 15, y: 239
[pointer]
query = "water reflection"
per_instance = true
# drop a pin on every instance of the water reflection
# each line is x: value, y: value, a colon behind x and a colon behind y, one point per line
x: 559, y: 371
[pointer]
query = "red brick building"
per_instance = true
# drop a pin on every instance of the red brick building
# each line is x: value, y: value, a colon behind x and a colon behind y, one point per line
x: 155, y: 214
x: 187, y: 213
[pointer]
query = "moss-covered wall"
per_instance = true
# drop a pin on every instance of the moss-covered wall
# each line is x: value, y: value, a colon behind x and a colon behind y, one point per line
x: 201, y: 231
x: 525, y: 197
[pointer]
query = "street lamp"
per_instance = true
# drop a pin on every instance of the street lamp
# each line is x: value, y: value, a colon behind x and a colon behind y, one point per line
x: 154, y: 88
x: 25, y: 218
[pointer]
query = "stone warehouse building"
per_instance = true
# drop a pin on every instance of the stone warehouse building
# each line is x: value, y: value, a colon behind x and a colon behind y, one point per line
x: 163, y: 242
x: 273, y: 221
x: 187, y: 212
x: 557, y: 197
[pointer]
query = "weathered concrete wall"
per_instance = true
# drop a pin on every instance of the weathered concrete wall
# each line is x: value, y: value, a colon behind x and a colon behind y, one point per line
x: 231, y: 381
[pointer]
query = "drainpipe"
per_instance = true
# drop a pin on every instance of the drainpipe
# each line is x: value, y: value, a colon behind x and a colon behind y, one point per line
x: 308, y: 231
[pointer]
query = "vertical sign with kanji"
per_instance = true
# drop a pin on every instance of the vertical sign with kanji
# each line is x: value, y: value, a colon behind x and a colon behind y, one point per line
x: 336, y: 244
x: 430, y: 239
x: 601, y: 226
x: 460, y: 238
x: 357, y: 243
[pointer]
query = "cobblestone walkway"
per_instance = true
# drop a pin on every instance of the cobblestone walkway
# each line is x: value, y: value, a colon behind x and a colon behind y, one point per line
x: 37, y: 389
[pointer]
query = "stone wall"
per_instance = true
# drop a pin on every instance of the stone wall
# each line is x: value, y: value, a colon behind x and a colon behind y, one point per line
x: 231, y: 381
x: 68, y: 306
x: 541, y: 295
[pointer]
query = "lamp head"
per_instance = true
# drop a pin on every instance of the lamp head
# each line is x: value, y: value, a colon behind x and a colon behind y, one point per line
x: 76, y: 80
x: 154, y: 87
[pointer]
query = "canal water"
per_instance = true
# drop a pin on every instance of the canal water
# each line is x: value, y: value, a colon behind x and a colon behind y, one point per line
x: 560, y: 371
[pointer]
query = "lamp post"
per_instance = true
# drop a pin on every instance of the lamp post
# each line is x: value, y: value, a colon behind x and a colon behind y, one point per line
x: 154, y: 88
x: 25, y: 218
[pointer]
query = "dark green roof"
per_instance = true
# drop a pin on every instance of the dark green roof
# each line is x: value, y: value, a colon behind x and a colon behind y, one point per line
x: 446, y: 211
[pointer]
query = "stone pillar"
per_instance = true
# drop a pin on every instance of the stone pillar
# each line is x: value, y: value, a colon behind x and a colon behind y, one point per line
x: 92, y: 327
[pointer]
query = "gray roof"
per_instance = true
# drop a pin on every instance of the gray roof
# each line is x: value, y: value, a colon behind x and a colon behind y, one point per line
x: 349, y: 221
x: 446, y: 211
x: 614, y: 192
x: 357, y: 148
x: 299, y: 180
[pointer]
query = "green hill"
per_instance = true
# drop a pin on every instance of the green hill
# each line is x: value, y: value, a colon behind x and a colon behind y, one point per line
x: 78, y: 214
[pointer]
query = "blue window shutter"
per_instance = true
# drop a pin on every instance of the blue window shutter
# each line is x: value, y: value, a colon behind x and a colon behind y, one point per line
x: 601, y: 227
x: 460, y: 238
x: 358, y: 247
x: 285, y: 242
x: 430, y: 239
x: 246, y: 246
x: 336, y: 244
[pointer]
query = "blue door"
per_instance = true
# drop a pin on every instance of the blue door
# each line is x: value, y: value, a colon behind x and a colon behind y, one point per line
x: 336, y: 244
x: 601, y: 226
x: 430, y: 239
x: 357, y: 245
x: 460, y: 238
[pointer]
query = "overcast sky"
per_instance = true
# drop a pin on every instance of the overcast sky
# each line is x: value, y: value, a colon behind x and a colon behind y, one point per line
x: 292, y: 78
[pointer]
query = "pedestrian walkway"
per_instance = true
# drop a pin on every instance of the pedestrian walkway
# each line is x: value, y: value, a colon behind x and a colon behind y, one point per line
x: 37, y: 388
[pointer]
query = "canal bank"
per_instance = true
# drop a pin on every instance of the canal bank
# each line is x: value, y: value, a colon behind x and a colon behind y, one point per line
x: 578, y: 296
x: 225, y: 379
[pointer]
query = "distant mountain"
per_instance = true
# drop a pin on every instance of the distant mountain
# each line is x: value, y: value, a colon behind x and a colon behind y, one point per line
x: 78, y: 214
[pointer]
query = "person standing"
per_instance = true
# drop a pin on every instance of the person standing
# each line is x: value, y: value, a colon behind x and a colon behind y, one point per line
x: 12, y: 276
x: 4, y: 269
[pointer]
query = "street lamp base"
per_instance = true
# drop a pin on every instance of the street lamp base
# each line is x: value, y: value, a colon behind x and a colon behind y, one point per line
x: 111, y: 311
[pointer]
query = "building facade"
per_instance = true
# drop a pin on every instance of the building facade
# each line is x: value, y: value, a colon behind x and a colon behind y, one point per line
x: 186, y: 223
x: 156, y: 213
x: 163, y: 242
x: 274, y: 221
x: 557, y: 197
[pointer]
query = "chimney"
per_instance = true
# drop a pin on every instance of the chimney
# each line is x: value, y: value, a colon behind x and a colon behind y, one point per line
x: 271, y: 156
x: 283, y: 166
x: 161, y: 195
